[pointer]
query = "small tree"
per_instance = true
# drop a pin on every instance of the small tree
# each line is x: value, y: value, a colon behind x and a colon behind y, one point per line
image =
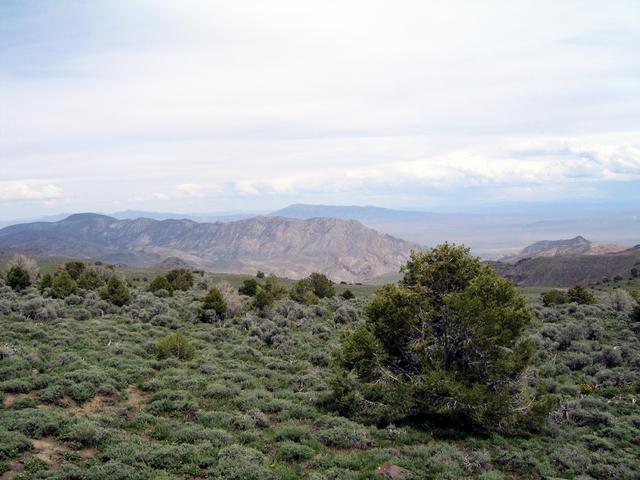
x: 634, y: 316
x: 18, y: 278
x: 160, y: 283
x: 45, y: 282
x: 175, y: 345
x: 445, y: 344
x: 260, y: 274
x: 28, y: 264
x: 75, y: 268
x: 90, y: 279
x: 180, y: 279
x: 116, y: 292
x: 347, y: 294
x: 310, y: 289
x: 213, y: 306
x: 248, y: 287
x: 268, y: 293
x: 581, y: 295
x: 554, y: 297
x: 63, y: 285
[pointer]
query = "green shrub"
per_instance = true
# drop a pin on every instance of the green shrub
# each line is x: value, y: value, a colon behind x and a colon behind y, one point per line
x: 12, y: 444
x: 180, y: 279
x: 310, y: 289
x: 347, y: 294
x: 175, y: 345
x: 236, y: 462
x: 248, y: 287
x: 18, y: 278
x: 63, y: 284
x: 294, y: 452
x: 90, y: 279
x: 45, y: 282
x: 554, y: 297
x: 268, y: 293
x: 116, y: 292
x: 581, y: 295
x: 213, y: 306
x: 160, y: 283
x: 75, y: 268
x: 85, y: 433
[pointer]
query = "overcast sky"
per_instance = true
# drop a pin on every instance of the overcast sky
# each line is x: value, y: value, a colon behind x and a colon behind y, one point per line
x: 208, y: 106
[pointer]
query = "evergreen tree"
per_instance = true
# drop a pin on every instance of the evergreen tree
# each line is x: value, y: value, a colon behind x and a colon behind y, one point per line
x: 581, y: 295
x: 248, y: 287
x: 75, y: 268
x: 63, y: 284
x: 180, y: 279
x: 213, y: 302
x: 18, y: 278
x: 116, y: 292
x: 90, y: 279
x: 347, y: 294
x: 45, y: 282
x: 445, y: 344
x: 160, y: 283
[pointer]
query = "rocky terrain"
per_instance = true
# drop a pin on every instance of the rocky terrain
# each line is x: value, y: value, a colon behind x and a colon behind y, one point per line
x: 342, y: 249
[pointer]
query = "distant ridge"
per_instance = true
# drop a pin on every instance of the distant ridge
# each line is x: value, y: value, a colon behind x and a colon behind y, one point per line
x: 555, y: 248
x: 343, y: 249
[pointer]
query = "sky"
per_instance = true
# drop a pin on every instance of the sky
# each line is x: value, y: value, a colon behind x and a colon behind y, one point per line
x: 212, y: 106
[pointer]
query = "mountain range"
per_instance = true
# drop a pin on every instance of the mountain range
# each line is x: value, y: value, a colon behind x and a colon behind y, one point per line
x: 343, y: 249
x: 503, y: 231
x: 556, y: 248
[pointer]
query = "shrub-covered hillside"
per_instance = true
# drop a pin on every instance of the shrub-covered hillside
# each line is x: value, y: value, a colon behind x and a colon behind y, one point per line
x: 183, y: 377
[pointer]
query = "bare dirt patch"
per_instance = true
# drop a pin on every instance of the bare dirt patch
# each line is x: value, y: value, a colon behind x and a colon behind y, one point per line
x: 10, y: 398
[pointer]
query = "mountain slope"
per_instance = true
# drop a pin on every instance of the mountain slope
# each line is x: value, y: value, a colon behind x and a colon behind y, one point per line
x: 569, y: 270
x: 555, y: 248
x: 343, y: 249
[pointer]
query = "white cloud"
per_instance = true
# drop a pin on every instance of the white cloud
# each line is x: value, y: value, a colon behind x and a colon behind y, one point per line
x: 23, y: 190
x: 160, y: 196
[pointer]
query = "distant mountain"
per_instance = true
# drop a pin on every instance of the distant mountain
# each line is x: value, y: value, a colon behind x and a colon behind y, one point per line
x: 555, y: 248
x: 196, y: 217
x: 343, y: 249
x: 569, y: 270
x: 491, y: 234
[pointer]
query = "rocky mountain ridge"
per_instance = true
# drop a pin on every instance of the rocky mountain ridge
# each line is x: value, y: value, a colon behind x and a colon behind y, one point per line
x: 342, y: 249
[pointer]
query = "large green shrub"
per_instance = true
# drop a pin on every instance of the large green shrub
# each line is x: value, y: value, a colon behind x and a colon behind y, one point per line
x: 554, y: 297
x: 581, y: 295
x: 249, y: 287
x: 310, y: 289
x: 63, y: 285
x: 160, y: 283
x: 116, y: 292
x: 445, y: 344
x: 175, y: 345
x: 90, y: 279
x: 213, y: 303
x: 75, y: 268
x: 180, y: 279
x: 268, y: 292
x: 18, y: 278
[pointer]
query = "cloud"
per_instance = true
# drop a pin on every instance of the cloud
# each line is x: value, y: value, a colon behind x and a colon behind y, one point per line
x: 23, y: 190
x: 247, y: 101
x: 199, y: 190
